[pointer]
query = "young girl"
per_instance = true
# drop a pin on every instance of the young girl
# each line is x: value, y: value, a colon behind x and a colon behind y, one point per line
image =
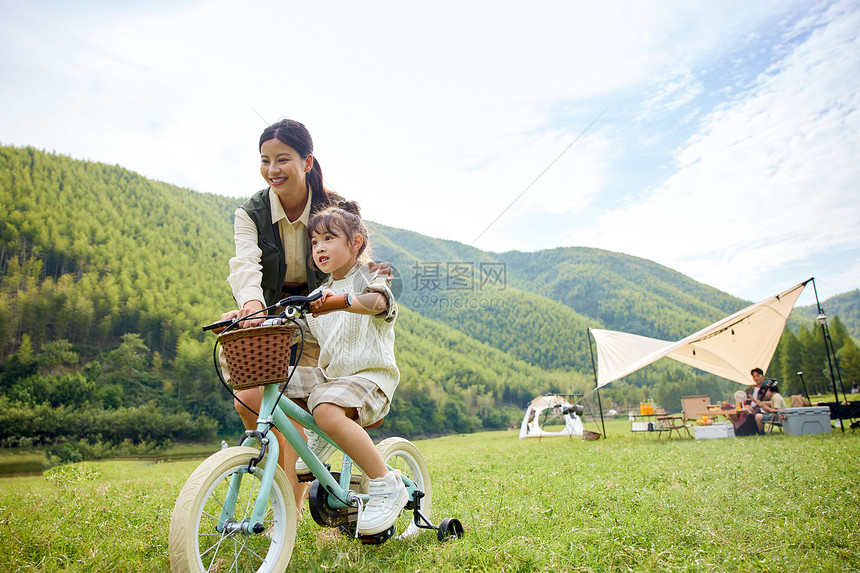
x: 352, y: 386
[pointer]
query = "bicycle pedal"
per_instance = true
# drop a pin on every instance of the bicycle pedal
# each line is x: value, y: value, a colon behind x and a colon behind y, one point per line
x: 377, y: 538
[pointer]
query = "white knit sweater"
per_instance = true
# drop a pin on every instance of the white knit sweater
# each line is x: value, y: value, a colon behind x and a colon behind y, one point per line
x: 358, y: 344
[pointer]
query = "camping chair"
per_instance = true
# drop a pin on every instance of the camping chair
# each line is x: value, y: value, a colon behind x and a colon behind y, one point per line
x: 775, y: 420
x: 669, y: 424
x: 694, y: 407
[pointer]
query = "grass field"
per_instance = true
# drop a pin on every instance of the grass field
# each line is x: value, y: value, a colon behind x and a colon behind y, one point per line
x: 767, y: 503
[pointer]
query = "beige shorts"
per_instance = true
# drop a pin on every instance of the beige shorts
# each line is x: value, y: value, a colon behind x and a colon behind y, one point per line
x: 349, y: 392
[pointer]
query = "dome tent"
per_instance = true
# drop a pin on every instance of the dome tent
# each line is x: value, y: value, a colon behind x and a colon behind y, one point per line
x: 530, y: 427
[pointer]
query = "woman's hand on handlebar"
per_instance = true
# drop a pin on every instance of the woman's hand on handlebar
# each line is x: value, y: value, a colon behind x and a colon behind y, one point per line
x: 250, y: 307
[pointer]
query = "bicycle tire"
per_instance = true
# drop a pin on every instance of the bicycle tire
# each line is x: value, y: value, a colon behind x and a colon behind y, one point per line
x: 401, y: 454
x: 194, y: 544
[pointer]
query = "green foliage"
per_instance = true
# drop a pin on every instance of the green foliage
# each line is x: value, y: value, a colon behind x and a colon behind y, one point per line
x: 849, y: 360
x: 47, y: 424
x: 84, y: 449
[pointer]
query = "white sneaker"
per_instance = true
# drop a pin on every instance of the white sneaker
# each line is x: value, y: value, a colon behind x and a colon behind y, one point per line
x: 388, y: 497
x: 321, y: 449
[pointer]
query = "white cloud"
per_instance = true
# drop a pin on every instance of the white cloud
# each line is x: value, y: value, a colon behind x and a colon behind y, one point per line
x: 435, y: 117
x: 768, y: 184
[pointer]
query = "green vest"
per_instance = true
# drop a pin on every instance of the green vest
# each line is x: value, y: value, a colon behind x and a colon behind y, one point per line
x: 259, y: 209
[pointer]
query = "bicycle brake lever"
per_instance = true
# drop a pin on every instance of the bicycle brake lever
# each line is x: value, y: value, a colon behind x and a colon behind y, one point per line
x: 299, y: 300
x: 222, y: 324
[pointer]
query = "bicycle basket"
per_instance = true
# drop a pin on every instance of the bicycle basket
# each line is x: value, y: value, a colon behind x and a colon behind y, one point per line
x: 257, y: 356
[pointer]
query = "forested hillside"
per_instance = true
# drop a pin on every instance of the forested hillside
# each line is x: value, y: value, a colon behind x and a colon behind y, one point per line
x: 89, y: 252
x: 846, y: 306
x: 106, y: 277
x: 487, y: 295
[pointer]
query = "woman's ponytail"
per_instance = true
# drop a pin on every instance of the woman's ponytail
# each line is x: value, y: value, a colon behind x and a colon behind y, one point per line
x: 314, y: 178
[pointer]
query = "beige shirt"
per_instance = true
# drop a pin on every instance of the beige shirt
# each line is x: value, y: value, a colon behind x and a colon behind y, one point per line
x: 246, y: 273
x: 777, y: 402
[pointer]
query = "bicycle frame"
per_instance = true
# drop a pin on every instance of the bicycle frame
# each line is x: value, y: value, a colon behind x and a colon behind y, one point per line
x: 233, y: 510
x: 281, y: 412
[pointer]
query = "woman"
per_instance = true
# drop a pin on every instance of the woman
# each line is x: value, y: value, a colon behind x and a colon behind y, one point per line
x: 273, y: 255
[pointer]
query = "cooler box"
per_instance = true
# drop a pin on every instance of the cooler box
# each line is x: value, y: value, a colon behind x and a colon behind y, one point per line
x: 716, y: 430
x: 799, y: 421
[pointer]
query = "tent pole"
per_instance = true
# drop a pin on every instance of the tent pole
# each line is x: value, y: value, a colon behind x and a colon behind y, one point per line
x: 822, y: 321
x: 596, y: 389
x: 802, y: 383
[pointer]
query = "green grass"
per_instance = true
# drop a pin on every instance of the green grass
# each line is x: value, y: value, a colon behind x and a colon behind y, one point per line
x: 777, y: 503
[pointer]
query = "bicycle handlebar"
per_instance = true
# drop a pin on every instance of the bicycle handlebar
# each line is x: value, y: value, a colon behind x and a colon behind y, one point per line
x: 336, y: 302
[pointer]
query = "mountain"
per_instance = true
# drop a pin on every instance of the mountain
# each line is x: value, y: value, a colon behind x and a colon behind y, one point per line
x: 846, y: 306
x: 106, y: 277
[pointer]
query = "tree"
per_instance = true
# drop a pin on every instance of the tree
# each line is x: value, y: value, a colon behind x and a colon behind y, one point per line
x: 814, y: 359
x: 791, y: 363
x: 56, y: 355
x: 849, y: 362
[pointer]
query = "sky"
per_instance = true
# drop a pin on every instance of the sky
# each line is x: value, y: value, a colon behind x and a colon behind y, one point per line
x: 719, y: 139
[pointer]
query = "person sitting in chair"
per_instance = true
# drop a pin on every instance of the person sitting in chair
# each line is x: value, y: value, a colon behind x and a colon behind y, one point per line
x: 771, y: 402
x: 755, y: 392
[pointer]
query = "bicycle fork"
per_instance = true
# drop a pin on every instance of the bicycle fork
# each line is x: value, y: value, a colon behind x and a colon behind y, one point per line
x: 254, y: 524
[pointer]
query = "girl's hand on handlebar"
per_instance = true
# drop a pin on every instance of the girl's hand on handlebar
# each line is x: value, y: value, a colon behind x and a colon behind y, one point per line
x: 316, y: 304
x: 250, y: 307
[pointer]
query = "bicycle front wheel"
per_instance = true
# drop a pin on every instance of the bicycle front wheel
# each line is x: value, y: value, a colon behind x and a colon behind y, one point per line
x: 204, y: 537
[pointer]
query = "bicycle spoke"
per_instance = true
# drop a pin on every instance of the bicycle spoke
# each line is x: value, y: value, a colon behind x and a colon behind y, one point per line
x: 242, y: 508
x: 246, y: 549
x: 216, y: 547
x: 220, y: 519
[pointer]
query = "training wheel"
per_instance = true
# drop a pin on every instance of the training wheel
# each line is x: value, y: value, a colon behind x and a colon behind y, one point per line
x: 449, y: 527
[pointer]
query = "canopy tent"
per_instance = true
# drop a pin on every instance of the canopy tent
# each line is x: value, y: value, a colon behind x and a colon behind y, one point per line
x: 729, y: 348
x: 530, y: 428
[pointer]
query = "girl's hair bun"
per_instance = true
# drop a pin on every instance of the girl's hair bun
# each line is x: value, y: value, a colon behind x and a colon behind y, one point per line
x: 350, y: 207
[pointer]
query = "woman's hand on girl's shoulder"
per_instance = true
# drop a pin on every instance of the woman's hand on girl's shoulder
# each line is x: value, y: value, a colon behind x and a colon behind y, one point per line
x: 381, y: 269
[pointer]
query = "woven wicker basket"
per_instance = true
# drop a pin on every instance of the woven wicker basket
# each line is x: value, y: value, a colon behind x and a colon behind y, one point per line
x: 258, y: 356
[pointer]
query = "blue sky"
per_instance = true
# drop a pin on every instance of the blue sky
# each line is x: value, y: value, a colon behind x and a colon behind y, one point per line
x: 725, y: 144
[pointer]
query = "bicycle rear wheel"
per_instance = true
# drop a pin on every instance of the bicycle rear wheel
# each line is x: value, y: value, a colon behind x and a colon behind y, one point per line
x: 199, y: 542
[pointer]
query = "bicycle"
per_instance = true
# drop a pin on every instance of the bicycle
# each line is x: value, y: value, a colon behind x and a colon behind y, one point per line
x: 236, y: 512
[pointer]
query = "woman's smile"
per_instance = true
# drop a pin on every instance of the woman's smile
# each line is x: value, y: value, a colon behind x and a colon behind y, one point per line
x: 283, y: 168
